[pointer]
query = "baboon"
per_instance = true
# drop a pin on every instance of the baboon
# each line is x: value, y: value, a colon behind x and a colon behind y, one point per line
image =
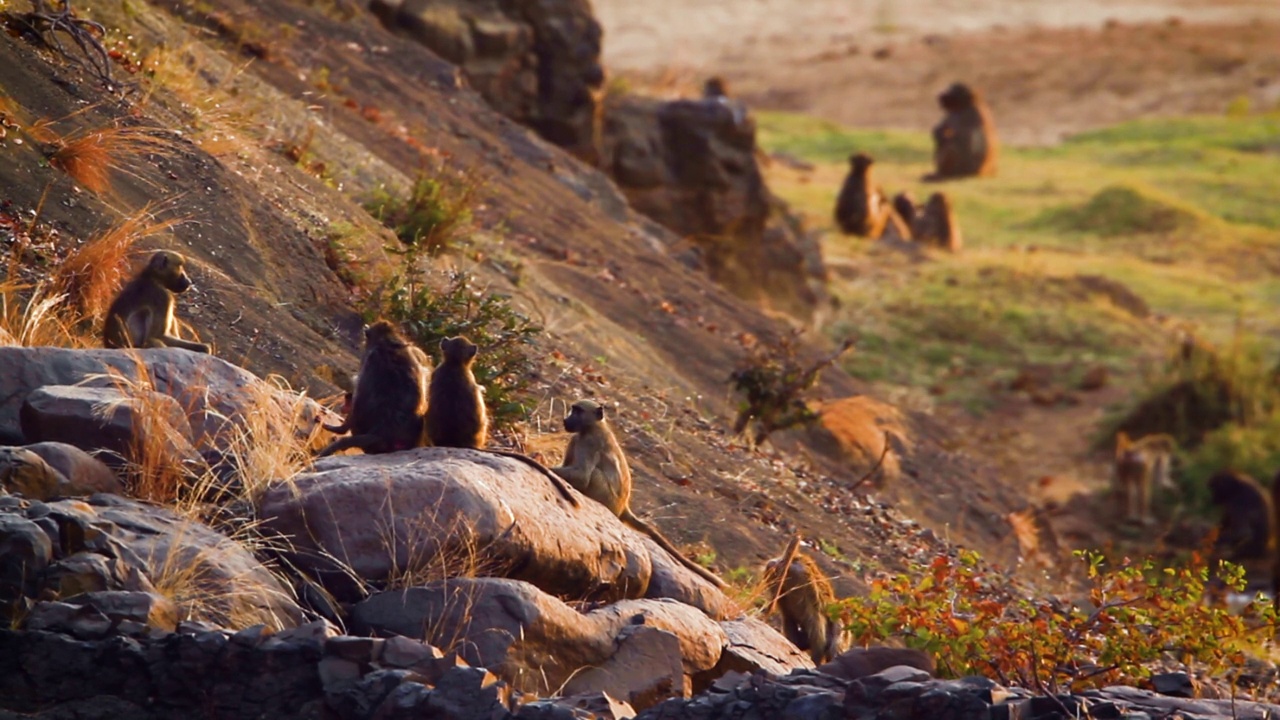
x: 905, y: 206
x: 964, y: 142
x: 1140, y: 466
x: 1245, y: 530
x: 861, y: 208
x: 386, y: 409
x: 594, y: 464
x: 936, y: 224
x: 804, y: 595
x: 456, y: 415
x: 715, y: 87
x: 141, y: 316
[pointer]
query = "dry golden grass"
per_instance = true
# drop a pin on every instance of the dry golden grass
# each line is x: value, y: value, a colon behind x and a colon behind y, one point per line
x: 33, y: 315
x: 91, y: 156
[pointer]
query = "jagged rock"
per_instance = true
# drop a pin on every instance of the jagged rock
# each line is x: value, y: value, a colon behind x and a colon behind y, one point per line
x: 752, y: 644
x: 535, y: 61
x: 87, y: 572
x: 601, y: 705
x: 130, y: 425
x: 372, y: 516
x: 214, y: 394
x: 25, y: 551
x: 637, y: 650
x: 145, y: 609
x: 85, y: 473
x: 210, y: 576
x: 691, y: 166
x: 26, y: 473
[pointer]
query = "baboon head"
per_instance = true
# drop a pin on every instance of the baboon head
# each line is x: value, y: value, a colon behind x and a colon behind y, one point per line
x: 715, y: 86
x: 938, y: 203
x: 166, y: 268
x: 382, y: 332
x: 459, y: 350
x: 582, y: 415
x: 1227, y: 488
x: 860, y: 162
x: 957, y: 97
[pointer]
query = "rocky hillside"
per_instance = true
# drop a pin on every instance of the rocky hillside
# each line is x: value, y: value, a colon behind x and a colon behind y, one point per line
x: 262, y: 129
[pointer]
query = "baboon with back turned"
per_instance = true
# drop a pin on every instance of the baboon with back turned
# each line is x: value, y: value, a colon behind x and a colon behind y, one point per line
x: 389, y: 400
x: 141, y: 316
x: 964, y: 142
x: 861, y: 208
x: 1246, y: 530
x: 594, y: 464
x: 456, y: 415
x: 1140, y: 466
x: 803, y: 595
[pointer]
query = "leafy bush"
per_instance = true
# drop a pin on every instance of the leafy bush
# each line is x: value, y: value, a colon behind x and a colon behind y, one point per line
x: 773, y: 381
x: 437, y: 213
x: 504, y: 364
x: 1135, y: 615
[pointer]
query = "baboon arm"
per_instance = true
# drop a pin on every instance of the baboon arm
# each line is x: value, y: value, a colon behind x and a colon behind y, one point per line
x: 578, y: 475
x: 351, y: 441
x: 345, y: 427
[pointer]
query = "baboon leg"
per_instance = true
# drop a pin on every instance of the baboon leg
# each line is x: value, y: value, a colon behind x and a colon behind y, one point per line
x: 364, y: 442
x: 167, y: 341
x: 635, y: 522
x: 345, y: 427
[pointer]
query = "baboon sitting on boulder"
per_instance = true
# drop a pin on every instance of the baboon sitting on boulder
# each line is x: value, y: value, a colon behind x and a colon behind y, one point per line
x: 964, y: 142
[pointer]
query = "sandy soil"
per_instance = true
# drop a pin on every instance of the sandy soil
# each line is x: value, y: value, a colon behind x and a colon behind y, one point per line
x: 875, y: 63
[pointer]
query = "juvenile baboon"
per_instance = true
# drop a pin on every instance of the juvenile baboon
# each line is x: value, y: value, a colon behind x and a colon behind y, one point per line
x: 386, y: 409
x: 905, y: 206
x: 1245, y: 530
x: 804, y: 595
x: 141, y: 316
x: 1140, y: 466
x: 594, y: 464
x: 936, y: 224
x: 861, y: 208
x: 456, y: 415
x: 964, y: 142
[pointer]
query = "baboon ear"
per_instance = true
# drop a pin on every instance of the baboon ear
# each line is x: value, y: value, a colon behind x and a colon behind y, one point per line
x: 159, y: 261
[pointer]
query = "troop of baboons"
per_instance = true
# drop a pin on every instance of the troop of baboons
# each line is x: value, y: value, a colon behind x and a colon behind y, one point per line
x: 964, y: 146
x: 1249, y: 524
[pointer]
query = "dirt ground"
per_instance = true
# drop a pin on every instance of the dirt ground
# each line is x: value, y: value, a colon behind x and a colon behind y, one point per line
x: 1048, y: 69
x: 879, y: 64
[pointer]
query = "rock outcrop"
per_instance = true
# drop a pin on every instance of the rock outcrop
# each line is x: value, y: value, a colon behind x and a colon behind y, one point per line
x: 214, y: 395
x: 691, y: 166
x: 429, y: 512
x: 640, y: 651
x: 535, y: 61
x: 107, y: 543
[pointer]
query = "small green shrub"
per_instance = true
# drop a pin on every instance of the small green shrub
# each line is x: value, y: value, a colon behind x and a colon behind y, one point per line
x: 772, y: 381
x: 437, y: 214
x: 429, y: 314
x: 1125, y: 210
x: 1136, y: 615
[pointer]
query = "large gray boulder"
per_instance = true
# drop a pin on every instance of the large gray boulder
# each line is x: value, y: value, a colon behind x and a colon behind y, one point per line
x: 431, y: 513
x: 690, y: 165
x: 215, y: 395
